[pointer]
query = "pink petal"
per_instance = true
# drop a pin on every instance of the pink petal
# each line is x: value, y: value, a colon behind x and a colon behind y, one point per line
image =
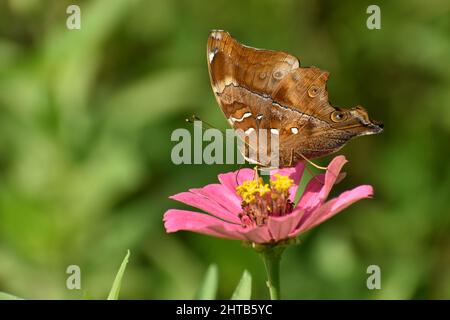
x: 295, y: 174
x: 334, y: 206
x: 176, y: 220
x: 221, y: 195
x: 281, y: 227
x: 206, y: 204
x: 259, y: 234
x: 319, y: 187
x: 232, y: 179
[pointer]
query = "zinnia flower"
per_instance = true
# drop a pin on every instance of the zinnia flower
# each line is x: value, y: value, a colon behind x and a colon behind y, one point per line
x: 243, y: 207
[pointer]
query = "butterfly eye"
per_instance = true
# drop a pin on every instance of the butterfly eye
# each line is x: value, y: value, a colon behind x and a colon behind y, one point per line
x: 338, y: 116
x: 313, y: 91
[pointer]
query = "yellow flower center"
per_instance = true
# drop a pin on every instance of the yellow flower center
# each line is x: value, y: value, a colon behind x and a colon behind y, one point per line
x: 281, y: 183
x: 261, y: 200
x: 250, y: 188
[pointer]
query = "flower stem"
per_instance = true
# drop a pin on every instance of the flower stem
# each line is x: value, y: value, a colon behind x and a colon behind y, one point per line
x: 271, y: 256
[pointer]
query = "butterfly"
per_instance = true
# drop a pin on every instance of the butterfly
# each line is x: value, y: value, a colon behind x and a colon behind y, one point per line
x: 265, y: 90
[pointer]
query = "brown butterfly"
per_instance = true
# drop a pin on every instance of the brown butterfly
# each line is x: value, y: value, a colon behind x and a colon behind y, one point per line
x: 261, y: 89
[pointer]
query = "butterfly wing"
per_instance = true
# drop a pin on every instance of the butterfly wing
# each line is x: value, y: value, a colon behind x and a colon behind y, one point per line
x: 264, y: 90
x: 230, y: 62
x: 276, y: 75
x: 243, y: 80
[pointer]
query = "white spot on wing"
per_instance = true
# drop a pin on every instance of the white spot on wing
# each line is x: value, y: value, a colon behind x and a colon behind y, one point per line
x: 245, y: 115
x: 216, y: 35
x: 211, y: 56
x: 294, y: 130
x: 275, y: 131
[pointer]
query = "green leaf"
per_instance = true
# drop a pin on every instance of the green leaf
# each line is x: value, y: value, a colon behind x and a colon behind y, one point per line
x: 114, y: 293
x: 7, y: 296
x: 208, y: 289
x: 243, y: 290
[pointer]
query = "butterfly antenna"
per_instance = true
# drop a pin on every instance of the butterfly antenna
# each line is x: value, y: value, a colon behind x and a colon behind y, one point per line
x: 193, y: 120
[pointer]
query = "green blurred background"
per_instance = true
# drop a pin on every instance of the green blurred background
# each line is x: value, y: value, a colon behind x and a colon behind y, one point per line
x: 85, y: 123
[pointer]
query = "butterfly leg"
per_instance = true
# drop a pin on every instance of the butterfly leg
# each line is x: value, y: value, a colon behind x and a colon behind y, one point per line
x: 315, y: 166
x: 312, y: 163
x: 256, y: 176
x: 291, y: 160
